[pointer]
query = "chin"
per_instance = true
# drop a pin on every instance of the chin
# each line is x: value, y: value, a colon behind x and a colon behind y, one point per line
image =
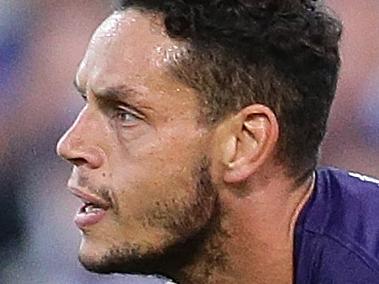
x: 164, y: 259
x: 105, y: 259
x: 123, y: 258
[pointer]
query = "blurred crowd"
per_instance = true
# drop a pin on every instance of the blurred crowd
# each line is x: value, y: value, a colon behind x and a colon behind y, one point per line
x: 41, y: 44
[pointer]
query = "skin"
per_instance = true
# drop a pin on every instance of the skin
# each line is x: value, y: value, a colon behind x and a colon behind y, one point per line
x: 196, y: 203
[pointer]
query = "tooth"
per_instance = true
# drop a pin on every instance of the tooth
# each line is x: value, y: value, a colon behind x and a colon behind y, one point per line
x: 87, y: 209
x: 91, y: 209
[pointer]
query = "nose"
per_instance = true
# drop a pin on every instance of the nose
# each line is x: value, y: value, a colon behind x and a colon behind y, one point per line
x: 78, y: 144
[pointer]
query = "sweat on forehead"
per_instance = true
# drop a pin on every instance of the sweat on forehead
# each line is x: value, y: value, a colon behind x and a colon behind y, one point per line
x: 113, y: 46
x: 148, y: 25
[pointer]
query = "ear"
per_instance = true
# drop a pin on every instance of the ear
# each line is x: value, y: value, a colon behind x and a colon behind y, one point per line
x: 252, y: 142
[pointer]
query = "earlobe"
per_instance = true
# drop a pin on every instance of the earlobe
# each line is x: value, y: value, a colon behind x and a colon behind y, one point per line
x: 256, y: 138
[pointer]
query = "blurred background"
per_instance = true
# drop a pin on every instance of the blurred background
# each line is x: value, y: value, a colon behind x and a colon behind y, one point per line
x: 41, y: 44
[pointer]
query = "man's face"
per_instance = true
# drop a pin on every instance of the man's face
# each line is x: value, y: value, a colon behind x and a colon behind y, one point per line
x: 138, y: 150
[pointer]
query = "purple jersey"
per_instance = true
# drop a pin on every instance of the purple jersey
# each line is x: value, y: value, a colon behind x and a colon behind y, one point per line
x: 337, y: 233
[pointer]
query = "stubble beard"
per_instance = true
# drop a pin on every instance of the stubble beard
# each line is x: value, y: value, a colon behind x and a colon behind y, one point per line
x: 190, y: 238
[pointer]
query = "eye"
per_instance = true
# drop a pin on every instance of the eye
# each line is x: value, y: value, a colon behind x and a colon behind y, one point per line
x: 126, y: 117
x: 84, y: 97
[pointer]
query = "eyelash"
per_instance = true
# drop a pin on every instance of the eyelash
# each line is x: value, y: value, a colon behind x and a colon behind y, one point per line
x: 119, y: 112
x: 122, y: 112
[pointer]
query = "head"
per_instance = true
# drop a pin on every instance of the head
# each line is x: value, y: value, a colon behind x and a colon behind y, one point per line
x: 184, y: 100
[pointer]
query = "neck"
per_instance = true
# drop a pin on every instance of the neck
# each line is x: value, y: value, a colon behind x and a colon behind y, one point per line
x: 251, y: 238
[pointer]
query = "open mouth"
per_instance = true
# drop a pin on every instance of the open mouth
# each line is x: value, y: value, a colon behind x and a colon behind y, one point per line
x: 90, y: 208
x: 89, y: 214
x: 92, y: 211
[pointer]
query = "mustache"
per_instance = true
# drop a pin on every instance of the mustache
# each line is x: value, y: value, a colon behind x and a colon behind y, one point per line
x: 102, y: 191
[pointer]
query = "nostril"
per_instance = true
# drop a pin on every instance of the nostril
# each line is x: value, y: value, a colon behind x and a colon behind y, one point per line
x: 78, y: 161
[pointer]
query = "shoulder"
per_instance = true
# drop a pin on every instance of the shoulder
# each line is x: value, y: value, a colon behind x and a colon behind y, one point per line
x: 332, y: 260
x: 339, y: 227
x: 347, y: 203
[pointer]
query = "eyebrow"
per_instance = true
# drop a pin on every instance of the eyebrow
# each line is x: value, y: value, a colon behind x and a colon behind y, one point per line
x: 119, y: 92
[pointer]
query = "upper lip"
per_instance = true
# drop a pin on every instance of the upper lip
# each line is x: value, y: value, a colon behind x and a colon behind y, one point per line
x: 89, y: 198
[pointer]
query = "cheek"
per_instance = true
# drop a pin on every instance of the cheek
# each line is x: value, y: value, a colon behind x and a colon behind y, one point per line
x: 142, y: 189
x: 155, y: 176
x: 149, y: 167
x: 156, y: 200
x: 155, y: 207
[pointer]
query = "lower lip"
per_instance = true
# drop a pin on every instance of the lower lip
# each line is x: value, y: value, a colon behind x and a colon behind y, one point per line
x: 83, y: 220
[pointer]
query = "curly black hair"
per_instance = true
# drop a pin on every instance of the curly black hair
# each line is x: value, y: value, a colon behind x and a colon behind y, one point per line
x: 280, y: 53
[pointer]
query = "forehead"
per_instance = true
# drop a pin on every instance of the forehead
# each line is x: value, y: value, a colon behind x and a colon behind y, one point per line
x: 128, y: 47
